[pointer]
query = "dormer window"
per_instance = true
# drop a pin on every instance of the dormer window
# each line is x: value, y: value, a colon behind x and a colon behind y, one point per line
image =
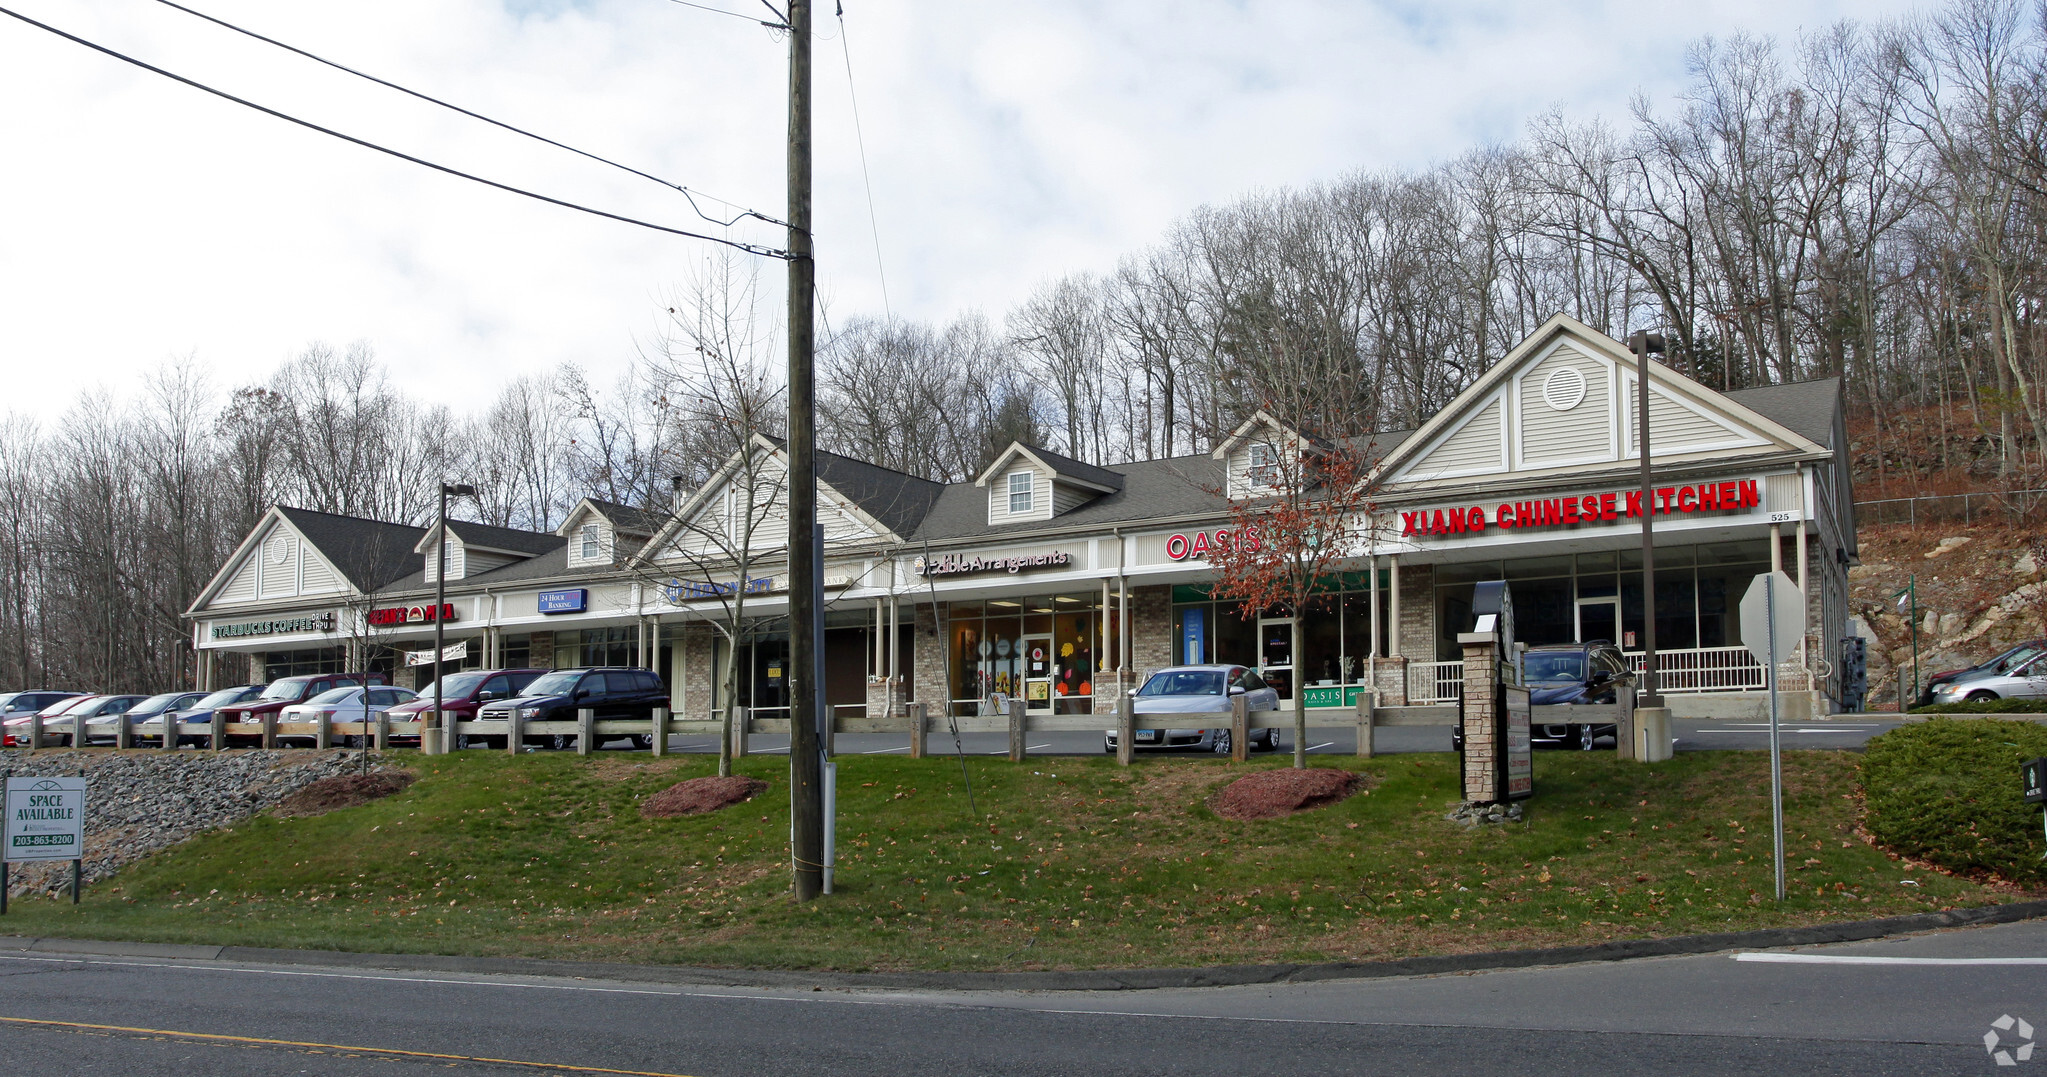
x: 1020, y: 492
x: 1264, y: 465
x: 593, y: 543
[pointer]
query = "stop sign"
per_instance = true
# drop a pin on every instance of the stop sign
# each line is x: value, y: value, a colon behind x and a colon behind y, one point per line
x: 1772, y: 597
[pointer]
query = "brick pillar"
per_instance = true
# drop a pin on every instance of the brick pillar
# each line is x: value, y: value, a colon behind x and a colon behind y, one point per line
x: 1417, y: 613
x: 1481, y: 726
x: 1390, y: 681
x: 699, y: 673
x: 1151, y: 630
x: 927, y: 661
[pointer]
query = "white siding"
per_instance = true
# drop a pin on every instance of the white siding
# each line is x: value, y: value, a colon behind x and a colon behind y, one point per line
x: 316, y: 576
x: 242, y: 586
x: 1066, y: 498
x: 475, y: 564
x: 1781, y: 493
x: 1477, y: 447
x: 1675, y: 428
x: 458, y: 559
x: 278, y: 557
x: 1584, y: 431
x: 1041, y: 496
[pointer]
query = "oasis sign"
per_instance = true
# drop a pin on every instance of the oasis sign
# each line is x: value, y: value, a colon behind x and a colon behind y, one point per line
x: 412, y: 615
x: 1584, y: 508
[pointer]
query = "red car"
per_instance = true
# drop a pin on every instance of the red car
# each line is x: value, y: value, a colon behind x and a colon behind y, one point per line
x: 462, y: 693
x: 283, y: 693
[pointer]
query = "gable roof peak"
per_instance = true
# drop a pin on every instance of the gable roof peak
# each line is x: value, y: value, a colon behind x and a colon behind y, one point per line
x: 1063, y: 468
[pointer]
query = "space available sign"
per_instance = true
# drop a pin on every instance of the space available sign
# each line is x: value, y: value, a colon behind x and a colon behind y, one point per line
x: 45, y: 819
x: 322, y: 623
x: 1569, y: 511
x: 959, y: 565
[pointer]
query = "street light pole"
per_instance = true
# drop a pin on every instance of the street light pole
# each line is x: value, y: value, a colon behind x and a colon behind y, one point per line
x: 441, y: 599
x: 806, y: 764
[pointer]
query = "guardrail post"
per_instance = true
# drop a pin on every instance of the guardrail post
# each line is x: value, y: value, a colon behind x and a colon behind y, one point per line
x: 383, y: 734
x: 1240, y: 727
x: 586, y: 730
x: 124, y: 732
x: 660, y: 731
x: 170, y: 734
x: 35, y: 732
x: 323, y: 731
x: 1126, y: 730
x: 451, y: 735
x: 515, y: 732
x: 270, y: 730
x: 740, y: 717
x: 78, y: 738
x: 1016, y: 731
x: 919, y: 716
x: 1368, y: 701
x: 216, y: 732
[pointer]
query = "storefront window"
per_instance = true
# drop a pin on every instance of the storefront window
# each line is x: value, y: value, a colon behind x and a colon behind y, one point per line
x: 1336, y: 634
x: 608, y: 646
x: 1040, y: 648
x: 313, y: 660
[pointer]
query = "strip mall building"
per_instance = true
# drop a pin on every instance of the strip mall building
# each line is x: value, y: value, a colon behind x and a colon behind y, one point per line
x: 1064, y: 583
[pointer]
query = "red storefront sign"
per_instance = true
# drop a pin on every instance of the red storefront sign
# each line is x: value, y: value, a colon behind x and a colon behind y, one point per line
x: 406, y: 615
x: 1584, y: 508
x: 1196, y: 546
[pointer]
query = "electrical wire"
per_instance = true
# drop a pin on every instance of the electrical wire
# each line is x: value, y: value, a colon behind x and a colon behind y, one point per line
x: 750, y: 248
x: 860, y: 140
x: 387, y: 84
x: 734, y: 14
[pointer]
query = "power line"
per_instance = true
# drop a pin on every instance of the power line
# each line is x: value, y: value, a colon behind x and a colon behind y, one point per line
x: 386, y: 83
x: 750, y: 248
x: 721, y: 11
x: 860, y: 140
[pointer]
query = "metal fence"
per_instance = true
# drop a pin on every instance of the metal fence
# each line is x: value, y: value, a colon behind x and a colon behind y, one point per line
x: 2014, y: 506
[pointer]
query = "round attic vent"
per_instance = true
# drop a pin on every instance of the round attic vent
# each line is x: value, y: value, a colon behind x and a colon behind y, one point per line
x: 1564, y: 389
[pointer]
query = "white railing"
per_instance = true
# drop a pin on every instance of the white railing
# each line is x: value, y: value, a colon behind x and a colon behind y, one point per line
x: 1430, y: 683
x: 1720, y: 669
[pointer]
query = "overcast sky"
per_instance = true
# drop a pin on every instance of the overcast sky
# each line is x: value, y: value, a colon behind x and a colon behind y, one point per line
x: 1007, y: 143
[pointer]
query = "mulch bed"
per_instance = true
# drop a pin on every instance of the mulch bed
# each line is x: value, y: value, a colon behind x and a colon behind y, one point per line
x: 1270, y: 794
x: 699, y: 795
x: 344, y: 791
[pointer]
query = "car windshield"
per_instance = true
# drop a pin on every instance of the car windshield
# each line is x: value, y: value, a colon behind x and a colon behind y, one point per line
x: 288, y: 688
x: 155, y: 703
x: 455, y: 685
x: 560, y: 682
x: 73, y: 703
x: 221, y: 698
x: 2017, y: 657
x: 1566, y: 667
x: 333, y: 695
x: 1184, y: 682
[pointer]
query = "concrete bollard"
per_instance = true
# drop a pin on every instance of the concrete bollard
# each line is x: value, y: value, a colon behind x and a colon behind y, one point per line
x: 1240, y: 728
x: 429, y: 739
x: 586, y: 730
x: 216, y: 732
x: 124, y: 732
x: 660, y: 732
x: 1016, y: 731
x: 918, y: 720
x: 1368, y: 701
x: 270, y: 730
x: 1126, y: 731
x: 515, y: 732
x: 1652, y: 735
x: 323, y: 732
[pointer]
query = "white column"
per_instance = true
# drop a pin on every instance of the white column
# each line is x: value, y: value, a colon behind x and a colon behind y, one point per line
x: 1393, y: 630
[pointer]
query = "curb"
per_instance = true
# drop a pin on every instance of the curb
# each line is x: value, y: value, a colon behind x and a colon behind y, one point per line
x: 1079, y: 980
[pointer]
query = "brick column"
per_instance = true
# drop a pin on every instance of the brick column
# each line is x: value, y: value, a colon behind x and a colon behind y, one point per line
x: 1481, y: 726
x: 1151, y: 630
x: 1390, y: 681
x: 1417, y: 613
x: 927, y: 661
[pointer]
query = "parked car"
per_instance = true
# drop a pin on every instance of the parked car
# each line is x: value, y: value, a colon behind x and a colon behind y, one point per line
x: 200, y: 711
x: 2002, y: 664
x: 1199, y: 689
x: 22, y: 704
x: 463, y: 693
x: 613, y: 692
x: 344, y: 704
x: 16, y: 729
x: 91, y: 708
x: 1570, y: 674
x: 2027, y: 680
x: 284, y: 692
x: 102, y: 728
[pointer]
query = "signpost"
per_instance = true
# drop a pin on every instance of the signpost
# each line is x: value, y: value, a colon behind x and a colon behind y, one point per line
x: 45, y: 821
x: 1518, y: 759
x: 1772, y: 623
x: 2034, y: 773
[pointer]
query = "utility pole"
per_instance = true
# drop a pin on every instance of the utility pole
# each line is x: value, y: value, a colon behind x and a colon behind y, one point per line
x: 1642, y: 343
x: 806, y: 765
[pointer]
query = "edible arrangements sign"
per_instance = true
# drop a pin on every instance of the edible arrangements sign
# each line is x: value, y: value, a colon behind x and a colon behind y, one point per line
x: 1732, y: 495
x: 957, y: 565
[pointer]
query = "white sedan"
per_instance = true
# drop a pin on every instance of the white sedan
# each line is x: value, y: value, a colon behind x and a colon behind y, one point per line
x: 1199, y: 690
x: 345, y: 705
x: 2020, y: 682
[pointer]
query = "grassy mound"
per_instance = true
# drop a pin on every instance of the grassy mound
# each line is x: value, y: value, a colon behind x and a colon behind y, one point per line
x: 1986, y: 706
x: 343, y: 791
x: 1062, y: 863
x: 1948, y: 792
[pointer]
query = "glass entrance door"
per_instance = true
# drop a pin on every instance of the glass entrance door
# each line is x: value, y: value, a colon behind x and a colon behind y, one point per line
x: 1276, y: 654
x: 1599, y: 618
x: 1038, y: 672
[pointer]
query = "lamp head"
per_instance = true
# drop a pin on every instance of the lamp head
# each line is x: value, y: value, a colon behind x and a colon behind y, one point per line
x: 458, y: 490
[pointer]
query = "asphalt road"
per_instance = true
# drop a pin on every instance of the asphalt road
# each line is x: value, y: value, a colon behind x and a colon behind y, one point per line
x: 1339, y: 740
x: 1919, y: 1005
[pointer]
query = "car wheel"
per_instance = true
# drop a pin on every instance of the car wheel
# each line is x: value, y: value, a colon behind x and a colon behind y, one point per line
x: 643, y: 741
x: 1108, y: 748
x: 1981, y: 696
x: 1222, y: 742
x: 1585, y: 738
x: 561, y: 742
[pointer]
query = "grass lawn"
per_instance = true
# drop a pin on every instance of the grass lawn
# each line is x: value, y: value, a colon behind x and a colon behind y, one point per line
x: 1070, y: 863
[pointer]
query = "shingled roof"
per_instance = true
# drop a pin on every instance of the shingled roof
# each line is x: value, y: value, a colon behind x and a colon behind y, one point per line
x: 370, y: 553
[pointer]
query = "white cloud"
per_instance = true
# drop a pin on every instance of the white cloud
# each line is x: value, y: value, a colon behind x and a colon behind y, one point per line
x: 1007, y: 144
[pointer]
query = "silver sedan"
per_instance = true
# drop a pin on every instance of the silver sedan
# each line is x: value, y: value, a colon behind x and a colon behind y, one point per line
x: 1199, y: 690
x: 2028, y: 681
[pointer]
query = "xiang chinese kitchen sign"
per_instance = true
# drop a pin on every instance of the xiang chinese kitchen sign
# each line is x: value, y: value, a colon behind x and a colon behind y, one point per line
x: 1570, y: 511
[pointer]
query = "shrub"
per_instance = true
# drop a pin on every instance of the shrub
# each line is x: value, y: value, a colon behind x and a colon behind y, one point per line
x: 1948, y: 792
x: 1986, y: 706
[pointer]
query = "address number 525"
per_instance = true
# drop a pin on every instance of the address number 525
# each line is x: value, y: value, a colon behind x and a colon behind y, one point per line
x: 1783, y: 517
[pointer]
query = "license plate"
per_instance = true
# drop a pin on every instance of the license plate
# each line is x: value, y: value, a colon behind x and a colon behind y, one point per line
x: 1148, y: 734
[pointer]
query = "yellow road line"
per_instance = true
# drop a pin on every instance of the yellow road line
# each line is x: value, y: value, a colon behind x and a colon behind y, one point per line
x: 331, y: 1047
